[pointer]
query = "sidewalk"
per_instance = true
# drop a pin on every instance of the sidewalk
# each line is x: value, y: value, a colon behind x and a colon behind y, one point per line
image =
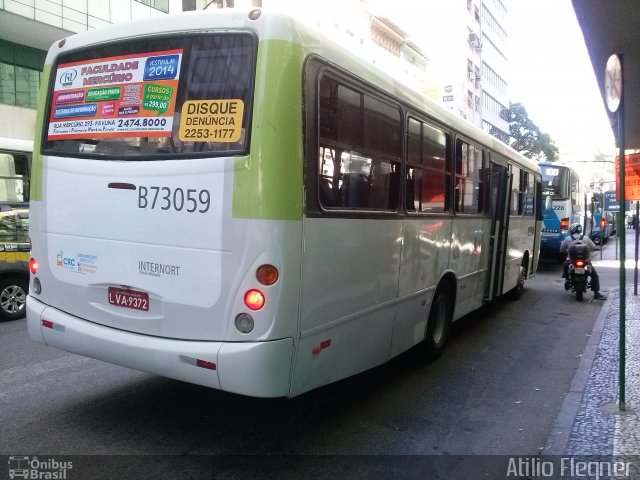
x: 590, y: 421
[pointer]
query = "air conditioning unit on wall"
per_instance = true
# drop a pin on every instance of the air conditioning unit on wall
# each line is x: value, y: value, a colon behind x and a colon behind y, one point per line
x: 474, y: 41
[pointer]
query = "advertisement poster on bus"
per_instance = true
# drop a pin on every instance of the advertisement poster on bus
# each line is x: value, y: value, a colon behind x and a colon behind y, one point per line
x: 122, y: 96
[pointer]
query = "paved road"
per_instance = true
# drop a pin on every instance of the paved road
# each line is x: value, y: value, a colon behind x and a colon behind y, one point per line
x: 496, y: 390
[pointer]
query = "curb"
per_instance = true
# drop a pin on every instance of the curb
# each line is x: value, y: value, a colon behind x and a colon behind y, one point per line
x: 561, y: 432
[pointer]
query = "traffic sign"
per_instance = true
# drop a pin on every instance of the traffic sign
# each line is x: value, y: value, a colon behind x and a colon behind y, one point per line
x: 612, y: 205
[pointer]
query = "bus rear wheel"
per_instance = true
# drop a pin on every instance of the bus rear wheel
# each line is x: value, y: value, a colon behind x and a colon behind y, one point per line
x: 13, y: 298
x: 438, y: 323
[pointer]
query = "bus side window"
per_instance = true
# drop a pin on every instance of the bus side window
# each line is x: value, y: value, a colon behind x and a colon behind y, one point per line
x: 360, y: 149
x: 355, y: 190
x: 516, y: 207
x: 468, y: 190
x: 428, y: 181
x: 13, y: 177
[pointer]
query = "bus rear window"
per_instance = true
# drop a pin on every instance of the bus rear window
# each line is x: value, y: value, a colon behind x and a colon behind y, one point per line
x: 168, y: 96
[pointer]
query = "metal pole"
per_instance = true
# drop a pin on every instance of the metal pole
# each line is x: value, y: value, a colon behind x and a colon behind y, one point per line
x: 635, y: 270
x: 623, y: 286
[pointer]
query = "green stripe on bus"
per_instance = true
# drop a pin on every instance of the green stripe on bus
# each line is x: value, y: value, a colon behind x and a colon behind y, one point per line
x: 35, y: 192
x: 268, y: 182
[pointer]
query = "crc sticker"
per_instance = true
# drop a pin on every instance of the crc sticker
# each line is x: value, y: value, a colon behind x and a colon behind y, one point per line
x: 211, y: 121
x: 83, y: 263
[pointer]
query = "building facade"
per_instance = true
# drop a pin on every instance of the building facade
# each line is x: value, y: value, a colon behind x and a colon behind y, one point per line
x: 29, y: 27
x: 454, y: 51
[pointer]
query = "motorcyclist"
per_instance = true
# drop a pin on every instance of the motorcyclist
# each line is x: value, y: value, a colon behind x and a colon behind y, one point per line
x: 575, y: 235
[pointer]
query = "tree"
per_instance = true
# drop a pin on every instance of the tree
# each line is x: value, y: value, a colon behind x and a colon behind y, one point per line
x: 527, y: 138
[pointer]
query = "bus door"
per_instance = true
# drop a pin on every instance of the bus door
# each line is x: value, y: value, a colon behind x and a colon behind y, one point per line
x: 499, y: 209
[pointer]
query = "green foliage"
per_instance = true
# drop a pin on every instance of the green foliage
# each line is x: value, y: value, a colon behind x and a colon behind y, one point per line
x: 527, y: 138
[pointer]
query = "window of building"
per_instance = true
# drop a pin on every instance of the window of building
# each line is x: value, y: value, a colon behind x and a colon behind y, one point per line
x: 495, y: 131
x: 19, y: 85
x: 428, y: 182
x: 20, y: 68
x: 360, y: 149
x: 162, y: 5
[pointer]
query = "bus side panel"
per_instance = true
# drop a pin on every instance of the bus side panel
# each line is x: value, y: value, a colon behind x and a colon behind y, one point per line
x: 425, y: 256
x: 271, y: 188
x: 521, y: 239
x: 469, y: 261
x: 349, y: 289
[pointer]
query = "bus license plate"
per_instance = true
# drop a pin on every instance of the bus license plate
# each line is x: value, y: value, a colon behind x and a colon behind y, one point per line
x: 123, y: 297
x: 580, y: 271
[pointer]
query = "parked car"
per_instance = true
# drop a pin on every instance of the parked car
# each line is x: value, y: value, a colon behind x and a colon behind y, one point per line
x: 14, y: 262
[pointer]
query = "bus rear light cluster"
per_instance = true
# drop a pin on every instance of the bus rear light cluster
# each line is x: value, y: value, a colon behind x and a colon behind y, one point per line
x: 255, y: 299
x: 33, y: 268
x: 564, y: 225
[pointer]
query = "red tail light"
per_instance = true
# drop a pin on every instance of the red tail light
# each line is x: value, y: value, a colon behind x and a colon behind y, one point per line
x: 603, y: 222
x: 254, y: 299
x: 33, y: 266
x: 579, y: 263
x: 564, y: 224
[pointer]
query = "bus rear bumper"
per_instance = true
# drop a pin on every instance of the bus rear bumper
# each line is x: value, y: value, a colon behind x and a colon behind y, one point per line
x: 259, y: 369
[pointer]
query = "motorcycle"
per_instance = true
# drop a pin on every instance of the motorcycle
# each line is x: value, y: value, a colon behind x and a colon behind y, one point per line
x: 579, y: 270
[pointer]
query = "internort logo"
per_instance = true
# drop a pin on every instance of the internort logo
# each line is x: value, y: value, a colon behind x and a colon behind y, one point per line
x: 155, y: 269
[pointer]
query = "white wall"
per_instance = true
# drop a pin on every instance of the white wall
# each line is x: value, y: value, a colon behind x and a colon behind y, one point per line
x: 17, y: 122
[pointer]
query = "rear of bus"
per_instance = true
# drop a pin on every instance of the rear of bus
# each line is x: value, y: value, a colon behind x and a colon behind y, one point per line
x: 167, y: 200
x: 556, y: 208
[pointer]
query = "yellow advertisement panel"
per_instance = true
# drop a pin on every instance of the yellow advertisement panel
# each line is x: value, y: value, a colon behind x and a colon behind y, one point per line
x: 211, y: 121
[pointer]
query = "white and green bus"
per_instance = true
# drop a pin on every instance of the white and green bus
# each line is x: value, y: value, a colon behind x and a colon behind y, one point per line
x: 232, y: 199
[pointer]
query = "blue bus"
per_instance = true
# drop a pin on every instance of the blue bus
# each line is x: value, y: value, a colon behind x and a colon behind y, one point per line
x: 603, y: 221
x: 563, y: 203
